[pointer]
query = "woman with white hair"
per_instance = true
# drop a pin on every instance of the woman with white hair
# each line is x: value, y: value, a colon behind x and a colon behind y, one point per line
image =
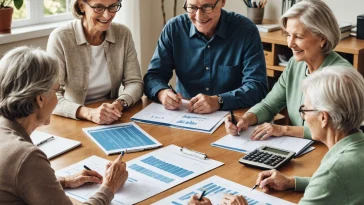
x: 333, y: 109
x: 312, y: 33
x: 98, y: 62
x: 28, y: 83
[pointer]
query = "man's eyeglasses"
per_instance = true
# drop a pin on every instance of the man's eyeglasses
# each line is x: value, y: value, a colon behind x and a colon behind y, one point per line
x: 303, y: 112
x: 101, y: 8
x: 207, y: 8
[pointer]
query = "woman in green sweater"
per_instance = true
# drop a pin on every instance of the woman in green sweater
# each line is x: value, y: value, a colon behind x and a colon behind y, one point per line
x: 333, y: 109
x: 312, y: 34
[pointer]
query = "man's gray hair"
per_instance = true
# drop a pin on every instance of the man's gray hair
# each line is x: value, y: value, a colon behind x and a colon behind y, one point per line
x: 318, y: 18
x: 339, y: 91
x: 24, y: 74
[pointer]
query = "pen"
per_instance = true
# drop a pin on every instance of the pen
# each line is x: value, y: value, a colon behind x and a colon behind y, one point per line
x: 86, y: 167
x: 170, y: 87
x: 254, y: 187
x: 203, y: 193
x: 46, y: 140
x: 233, y: 120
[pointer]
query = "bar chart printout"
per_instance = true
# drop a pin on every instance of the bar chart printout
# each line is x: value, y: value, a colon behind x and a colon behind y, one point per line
x: 149, y: 174
x: 121, y: 137
x: 216, y: 187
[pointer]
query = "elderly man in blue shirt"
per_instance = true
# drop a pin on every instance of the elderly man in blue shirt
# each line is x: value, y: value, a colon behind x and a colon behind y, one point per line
x: 218, y: 58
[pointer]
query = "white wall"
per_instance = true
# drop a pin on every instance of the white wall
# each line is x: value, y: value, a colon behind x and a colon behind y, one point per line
x: 144, y: 18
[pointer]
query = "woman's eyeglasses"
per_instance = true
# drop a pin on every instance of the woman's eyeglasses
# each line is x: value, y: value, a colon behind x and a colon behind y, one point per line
x: 101, y: 8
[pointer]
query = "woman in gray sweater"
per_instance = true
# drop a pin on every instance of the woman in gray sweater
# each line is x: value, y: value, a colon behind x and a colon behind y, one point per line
x: 28, y: 83
x: 98, y: 61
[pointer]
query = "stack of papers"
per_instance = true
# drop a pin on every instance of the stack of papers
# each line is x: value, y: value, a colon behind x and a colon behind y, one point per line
x: 268, y: 27
x: 149, y: 174
x: 52, y: 145
x: 182, y: 119
x: 216, y: 187
x: 244, y: 144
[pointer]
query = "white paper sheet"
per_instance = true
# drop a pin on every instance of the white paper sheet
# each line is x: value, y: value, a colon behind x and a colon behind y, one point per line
x: 149, y: 174
x: 216, y: 187
x: 55, y: 147
x: 157, y: 114
x: 244, y: 144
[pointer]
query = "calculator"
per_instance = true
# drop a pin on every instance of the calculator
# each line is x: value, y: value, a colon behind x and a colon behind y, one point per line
x: 267, y: 158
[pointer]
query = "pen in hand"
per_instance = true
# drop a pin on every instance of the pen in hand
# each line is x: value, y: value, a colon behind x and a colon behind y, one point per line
x: 254, y: 187
x: 46, y: 140
x: 171, y: 88
x: 203, y: 193
x: 233, y: 120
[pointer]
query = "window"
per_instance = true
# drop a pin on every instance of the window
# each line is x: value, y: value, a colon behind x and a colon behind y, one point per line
x: 41, y: 11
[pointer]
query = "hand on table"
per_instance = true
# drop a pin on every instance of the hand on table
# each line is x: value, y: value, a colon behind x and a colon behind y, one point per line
x: 203, y: 104
x: 169, y: 99
x: 105, y: 114
x: 85, y: 176
x: 233, y: 129
x: 273, y: 179
x: 233, y: 200
x: 194, y: 200
x: 266, y: 130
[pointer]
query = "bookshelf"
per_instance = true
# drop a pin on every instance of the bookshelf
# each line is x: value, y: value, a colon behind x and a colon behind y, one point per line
x: 275, y: 43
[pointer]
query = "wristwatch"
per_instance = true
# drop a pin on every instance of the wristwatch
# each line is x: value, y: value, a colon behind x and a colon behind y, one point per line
x: 220, y: 101
x: 123, y: 103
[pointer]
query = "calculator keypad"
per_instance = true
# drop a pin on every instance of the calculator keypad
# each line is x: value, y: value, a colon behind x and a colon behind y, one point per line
x: 264, y: 157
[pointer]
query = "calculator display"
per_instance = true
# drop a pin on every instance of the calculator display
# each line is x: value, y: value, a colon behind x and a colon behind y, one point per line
x: 275, y: 151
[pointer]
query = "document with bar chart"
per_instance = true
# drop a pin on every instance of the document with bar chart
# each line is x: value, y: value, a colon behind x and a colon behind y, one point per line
x: 149, y: 174
x: 156, y: 114
x: 216, y: 187
x: 121, y: 137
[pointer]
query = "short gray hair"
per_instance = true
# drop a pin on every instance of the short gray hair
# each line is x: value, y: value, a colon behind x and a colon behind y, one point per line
x: 76, y: 10
x: 318, y: 18
x: 339, y: 91
x: 25, y: 73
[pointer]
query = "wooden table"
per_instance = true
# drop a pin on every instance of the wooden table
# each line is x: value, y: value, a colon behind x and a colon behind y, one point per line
x: 232, y: 170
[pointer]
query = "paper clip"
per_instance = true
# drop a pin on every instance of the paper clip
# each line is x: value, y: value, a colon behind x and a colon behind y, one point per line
x: 193, y: 153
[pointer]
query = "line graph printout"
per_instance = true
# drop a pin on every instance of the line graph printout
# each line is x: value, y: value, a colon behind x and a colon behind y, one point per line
x: 149, y: 174
x: 244, y: 144
x: 156, y: 114
x: 216, y: 187
x: 121, y: 137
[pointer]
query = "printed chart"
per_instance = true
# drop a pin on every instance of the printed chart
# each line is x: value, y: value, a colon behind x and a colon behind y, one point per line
x: 121, y: 137
x: 149, y: 174
x: 216, y: 187
x: 182, y: 119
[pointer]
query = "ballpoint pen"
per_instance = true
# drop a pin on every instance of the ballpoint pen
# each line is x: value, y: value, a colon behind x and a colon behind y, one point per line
x: 233, y: 120
x: 254, y: 187
x: 46, y: 140
x: 170, y: 87
x: 203, y: 193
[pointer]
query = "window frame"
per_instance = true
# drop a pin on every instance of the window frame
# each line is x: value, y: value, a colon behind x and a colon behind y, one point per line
x: 35, y: 11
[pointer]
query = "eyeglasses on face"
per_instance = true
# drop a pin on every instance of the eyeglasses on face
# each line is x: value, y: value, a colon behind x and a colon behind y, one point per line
x: 303, y: 111
x: 101, y: 8
x: 207, y: 8
x: 60, y: 89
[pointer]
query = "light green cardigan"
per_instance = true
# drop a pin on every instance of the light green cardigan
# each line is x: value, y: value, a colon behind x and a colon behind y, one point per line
x: 340, y: 177
x: 287, y: 92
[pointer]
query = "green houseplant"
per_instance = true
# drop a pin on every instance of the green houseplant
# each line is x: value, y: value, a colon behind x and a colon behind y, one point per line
x: 6, y: 14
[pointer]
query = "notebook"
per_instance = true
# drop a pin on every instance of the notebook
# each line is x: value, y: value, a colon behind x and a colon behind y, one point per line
x: 55, y: 146
x: 244, y: 144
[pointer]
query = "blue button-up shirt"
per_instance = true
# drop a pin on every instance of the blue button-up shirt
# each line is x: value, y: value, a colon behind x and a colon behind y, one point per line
x: 231, y: 64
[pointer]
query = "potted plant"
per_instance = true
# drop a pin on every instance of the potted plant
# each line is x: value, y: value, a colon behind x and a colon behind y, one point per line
x: 6, y: 14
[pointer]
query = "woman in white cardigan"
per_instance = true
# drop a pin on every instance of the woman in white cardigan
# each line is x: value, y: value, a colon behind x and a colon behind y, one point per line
x: 98, y: 61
